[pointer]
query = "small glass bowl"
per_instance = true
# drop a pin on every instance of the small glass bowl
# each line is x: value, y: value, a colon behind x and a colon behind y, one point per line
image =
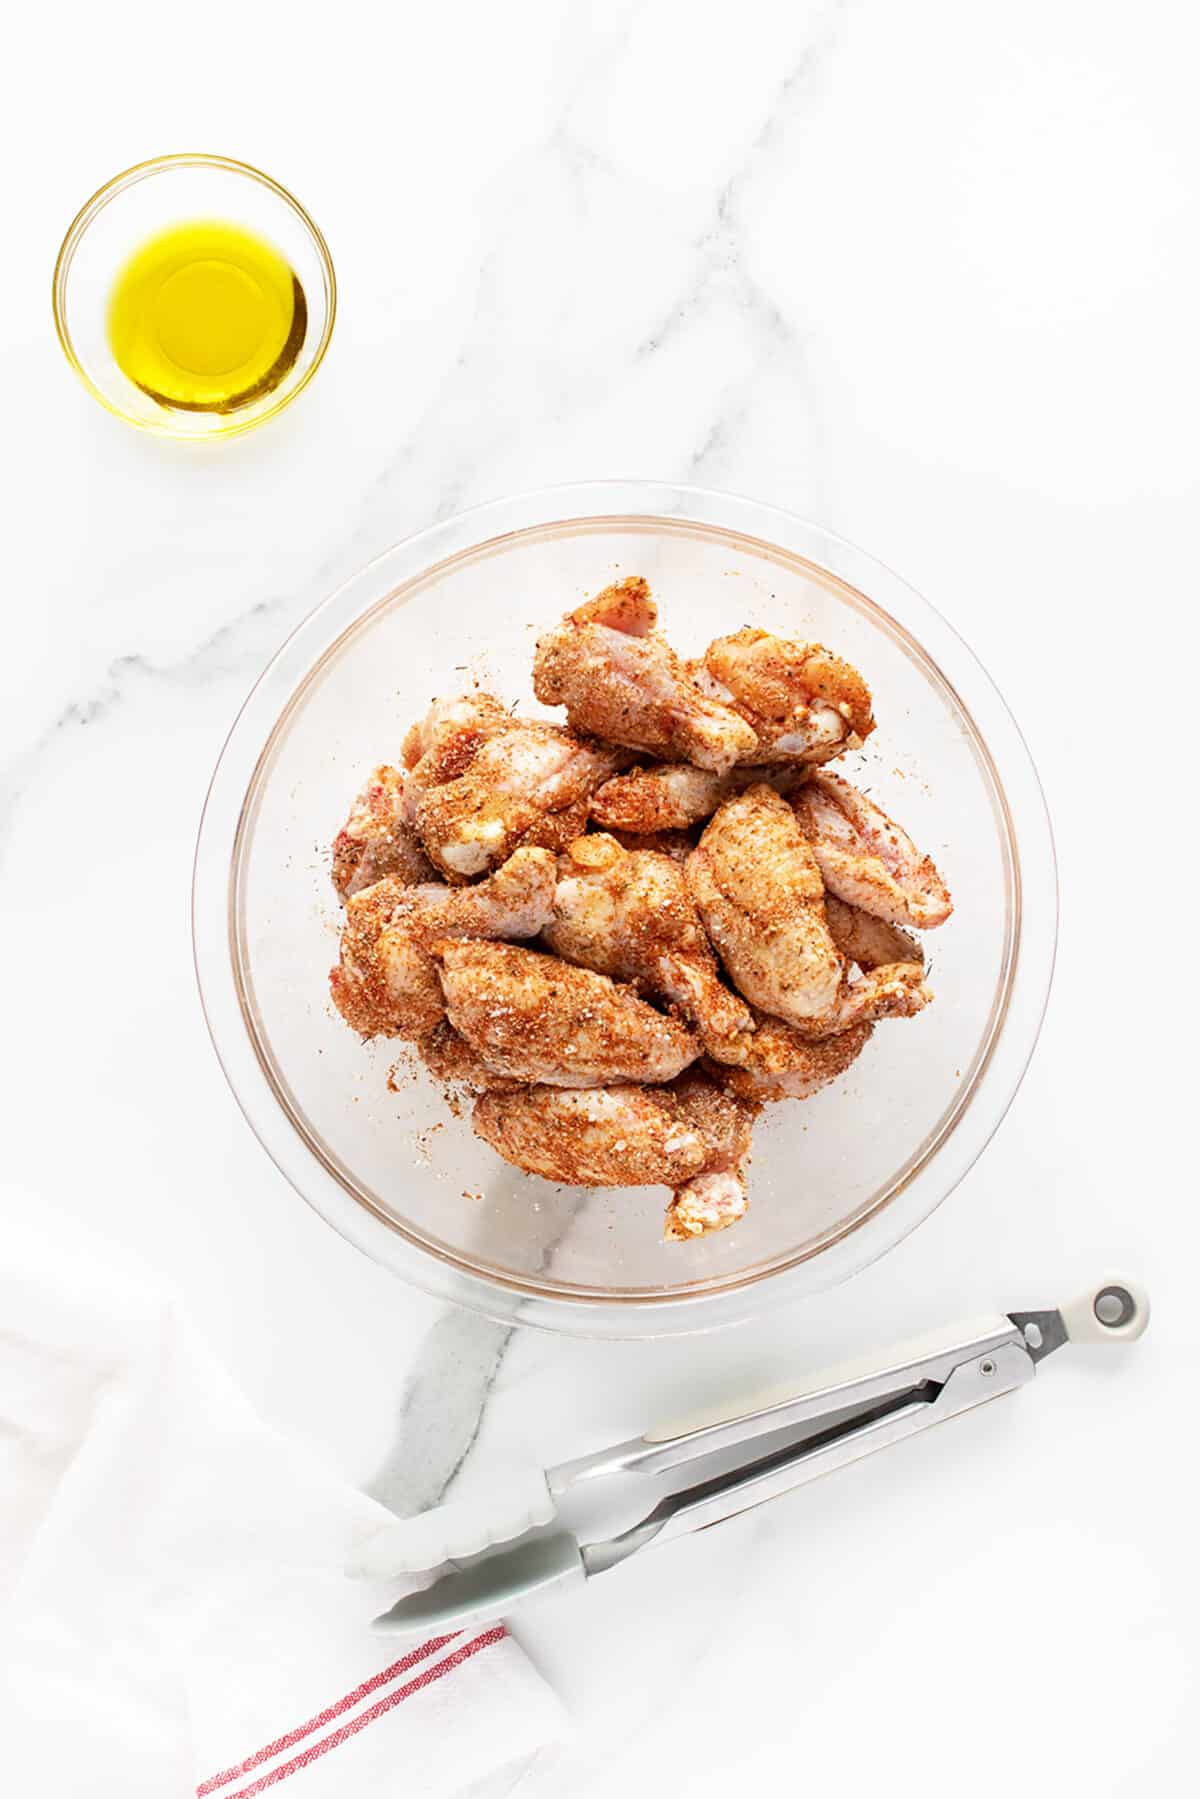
x: 151, y: 197
x: 836, y: 1181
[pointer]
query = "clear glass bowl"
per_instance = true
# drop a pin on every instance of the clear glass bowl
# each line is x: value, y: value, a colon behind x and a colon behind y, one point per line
x: 134, y: 206
x: 836, y: 1181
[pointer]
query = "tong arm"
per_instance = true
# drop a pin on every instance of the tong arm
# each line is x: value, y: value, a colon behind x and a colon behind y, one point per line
x: 857, y: 1384
x: 1000, y: 1368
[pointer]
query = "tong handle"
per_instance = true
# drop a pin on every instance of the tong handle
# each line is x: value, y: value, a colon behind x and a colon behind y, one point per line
x: 930, y: 1356
x: 970, y: 1383
x: 1114, y: 1310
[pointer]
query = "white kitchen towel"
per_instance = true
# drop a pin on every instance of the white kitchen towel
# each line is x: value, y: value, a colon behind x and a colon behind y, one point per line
x: 176, y: 1615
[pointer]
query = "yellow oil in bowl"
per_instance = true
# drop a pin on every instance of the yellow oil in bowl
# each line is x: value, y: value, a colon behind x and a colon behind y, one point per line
x: 206, y: 317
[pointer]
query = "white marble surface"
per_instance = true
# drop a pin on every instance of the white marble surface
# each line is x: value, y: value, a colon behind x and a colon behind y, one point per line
x: 926, y: 274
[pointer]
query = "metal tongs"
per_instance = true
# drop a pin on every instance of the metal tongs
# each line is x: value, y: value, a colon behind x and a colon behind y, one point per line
x: 794, y: 1437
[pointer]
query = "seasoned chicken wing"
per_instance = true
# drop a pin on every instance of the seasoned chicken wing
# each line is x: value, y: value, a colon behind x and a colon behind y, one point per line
x: 804, y: 703
x: 594, y: 1136
x: 377, y: 839
x: 866, y: 859
x: 892, y: 990
x: 386, y: 982
x: 444, y: 745
x: 629, y: 914
x: 480, y: 712
x: 450, y: 1058
x: 776, y: 1062
x: 674, y: 794
x: 536, y: 1018
x: 621, y: 681
x: 483, y: 794
x: 707, y: 1203
x: 692, y: 1136
x: 676, y: 844
x: 757, y: 887
x: 716, y: 1197
x: 868, y: 940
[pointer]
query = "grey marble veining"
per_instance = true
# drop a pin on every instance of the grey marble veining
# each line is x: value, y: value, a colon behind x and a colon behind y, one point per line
x: 441, y: 1411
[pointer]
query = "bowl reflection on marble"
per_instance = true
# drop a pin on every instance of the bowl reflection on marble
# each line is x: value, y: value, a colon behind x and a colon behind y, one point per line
x: 836, y: 1180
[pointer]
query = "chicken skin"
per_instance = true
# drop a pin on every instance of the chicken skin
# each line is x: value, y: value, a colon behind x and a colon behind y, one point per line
x: 480, y: 712
x: 868, y: 940
x: 776, y: 1062
x: 716, y: 1197
x: 804, y: 703
x: 676, y: 844
x: 621, y: 681
x: 866, y: 859
x: 892, y: 990
x: 629, y: 914
x: 594, y: 1136
x: 377, y: 839
x: 442, y: 746
x: 450, y: 1058
x: 484, y: 791
x: 675, y: 795
x: 386, y: 982
x: 536, y: 1018
x: 691, y: 1136
x: 757, y: 887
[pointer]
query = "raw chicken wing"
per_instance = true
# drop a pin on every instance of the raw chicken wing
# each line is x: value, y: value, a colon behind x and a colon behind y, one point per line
x: 621, y: 681
x: 675, y: 795
x: 377, y: 840
x: 691, y: 1136
x: 776, y: 1062
x: 450, y: 1058
x: 804, y: 703
x: 716, y: 1197
x: 866, y: 859
x: 758, y: 889
x: 536, y: 1018
x: 524, y: 783
x: 481, y: 712
x: 386, y: 982
x: 592, y: 1137
x: 629, y: 914
x: 676, y: 844
x: 892, y: 990
x: 868, y: 940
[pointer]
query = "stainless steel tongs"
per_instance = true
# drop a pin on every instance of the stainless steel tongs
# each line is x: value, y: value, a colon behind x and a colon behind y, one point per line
x: 792, y: 1437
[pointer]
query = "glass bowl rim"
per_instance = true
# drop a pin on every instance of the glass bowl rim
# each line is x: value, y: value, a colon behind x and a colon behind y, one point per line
x: 120, y: 183
x: 625, y: 1316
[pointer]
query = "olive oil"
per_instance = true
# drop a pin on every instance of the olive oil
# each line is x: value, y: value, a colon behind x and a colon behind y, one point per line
x: 206, y: 317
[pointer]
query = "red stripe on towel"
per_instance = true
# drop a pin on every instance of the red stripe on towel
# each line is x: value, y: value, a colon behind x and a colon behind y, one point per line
x: 353, y: 1725
x: 420, y: 1654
